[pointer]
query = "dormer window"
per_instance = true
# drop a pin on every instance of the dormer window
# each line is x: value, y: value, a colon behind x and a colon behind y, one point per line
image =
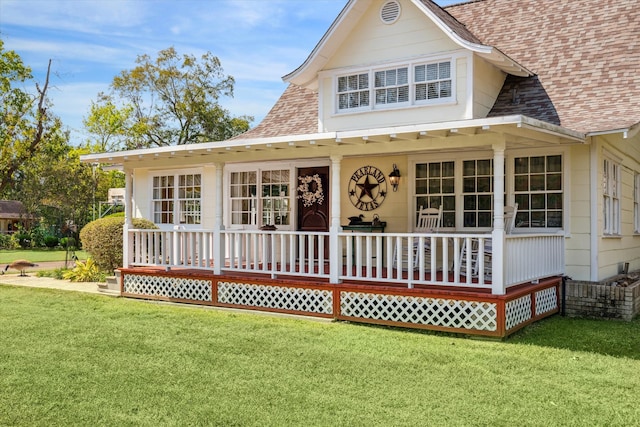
x: 411, y: 84
x: 392, y: 86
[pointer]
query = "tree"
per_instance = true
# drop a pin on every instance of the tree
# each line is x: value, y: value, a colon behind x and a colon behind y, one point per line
x: 172, y: 100
x: 24, y: 118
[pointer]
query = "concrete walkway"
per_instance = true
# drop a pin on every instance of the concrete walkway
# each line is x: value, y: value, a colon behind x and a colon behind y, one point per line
x: 32, y: 281
x: 12, y: 277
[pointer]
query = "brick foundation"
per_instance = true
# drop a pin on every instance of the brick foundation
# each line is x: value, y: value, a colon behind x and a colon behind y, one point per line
x: 602, y: 300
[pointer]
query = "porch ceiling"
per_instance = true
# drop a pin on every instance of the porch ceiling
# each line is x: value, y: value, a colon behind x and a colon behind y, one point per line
x: 515, y: 131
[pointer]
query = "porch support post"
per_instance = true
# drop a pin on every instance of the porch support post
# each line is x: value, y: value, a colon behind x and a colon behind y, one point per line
x: 127, y: 244
x: 218, y: 226
x: 335, y: 254
x: 497, y: 236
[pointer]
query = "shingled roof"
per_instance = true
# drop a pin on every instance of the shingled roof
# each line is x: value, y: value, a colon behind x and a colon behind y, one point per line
x: 11, y: 209
x: 586, y: 56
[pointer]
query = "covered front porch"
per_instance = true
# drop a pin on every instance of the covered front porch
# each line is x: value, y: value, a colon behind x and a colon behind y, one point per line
x: 368, y: 277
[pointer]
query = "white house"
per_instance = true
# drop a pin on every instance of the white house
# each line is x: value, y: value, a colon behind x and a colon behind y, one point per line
x: 477, y: 108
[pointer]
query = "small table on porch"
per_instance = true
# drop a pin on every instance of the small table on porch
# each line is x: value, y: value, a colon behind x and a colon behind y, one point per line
x: 365, y: 227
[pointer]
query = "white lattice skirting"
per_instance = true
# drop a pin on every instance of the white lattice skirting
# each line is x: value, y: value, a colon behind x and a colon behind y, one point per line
x: 276, y: 297
x: 546, y: 300
x: 518, y: 311
x: 169, y: 287
x: 450, y: 313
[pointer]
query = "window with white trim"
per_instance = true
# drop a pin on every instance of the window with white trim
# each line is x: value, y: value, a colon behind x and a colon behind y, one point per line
x: 433, y: 81
x: 435, y: 186
x: 392, y: 86
x: 636, y: 203
x: 177, y: 204
x: 538, y: 190
x: 477, y: 193
x: 611, y: 197
x: 417, y: 83
x: 260, y: 197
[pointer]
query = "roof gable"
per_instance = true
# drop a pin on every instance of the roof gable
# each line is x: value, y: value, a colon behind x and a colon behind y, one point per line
x: 338, y: 33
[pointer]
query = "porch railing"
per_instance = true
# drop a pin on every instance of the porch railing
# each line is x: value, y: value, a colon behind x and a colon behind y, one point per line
x: 397, y: 258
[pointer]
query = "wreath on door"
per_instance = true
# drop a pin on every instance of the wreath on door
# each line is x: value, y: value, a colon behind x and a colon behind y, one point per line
x: 310, y: 190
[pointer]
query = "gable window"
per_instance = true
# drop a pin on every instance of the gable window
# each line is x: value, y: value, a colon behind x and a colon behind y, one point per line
x: 392, y: 86
x: 353, y: 91
x: 611, y: 197
x: 538, y: 191
x: 260, y: 197
x: 420, y: 84
x: 636, y: 203
x: 432, y: 81
x: 177, y: 199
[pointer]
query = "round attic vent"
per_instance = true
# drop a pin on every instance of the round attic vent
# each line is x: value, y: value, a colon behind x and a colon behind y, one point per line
x: 390, y: 12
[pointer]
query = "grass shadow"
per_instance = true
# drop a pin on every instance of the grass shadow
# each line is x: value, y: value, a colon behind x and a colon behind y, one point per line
x: 602, y: 336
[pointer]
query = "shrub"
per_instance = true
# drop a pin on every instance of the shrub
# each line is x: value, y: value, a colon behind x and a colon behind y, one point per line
x: 102, y: 239
x: 84, y: 272
x: 51, y: 241
x: 6, y: 242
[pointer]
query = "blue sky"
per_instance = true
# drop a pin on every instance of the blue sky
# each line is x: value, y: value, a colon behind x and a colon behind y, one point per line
x: 91, y: 41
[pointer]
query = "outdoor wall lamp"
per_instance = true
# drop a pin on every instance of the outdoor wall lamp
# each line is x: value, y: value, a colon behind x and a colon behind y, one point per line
x: 394, y: 177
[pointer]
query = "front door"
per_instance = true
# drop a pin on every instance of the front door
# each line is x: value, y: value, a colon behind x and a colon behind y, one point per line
x: 313, y: 201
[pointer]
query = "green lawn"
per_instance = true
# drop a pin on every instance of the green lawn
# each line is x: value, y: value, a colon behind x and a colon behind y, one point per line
x: 76, y: 359
x: 37, y: 255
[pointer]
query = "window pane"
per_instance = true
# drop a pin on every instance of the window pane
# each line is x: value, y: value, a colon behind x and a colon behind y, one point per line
x: 554, y: 163
x: 432, y: 91
x: 554, y: 201
x: 469, y: 168
x: 484, y: 184
x: 432, y: 71
x: 353, y: 83
x: 434, y: 186
x: 537, y: 201
x: 421, y: 92
x: 403, y: 94
x: 537, y: 183
x: 521, y: 183
x: 342, y: 84
x: 537, y: 164
x: 434, y: 170
x: 421, y: 170
x: 448, y: 168
x: 445, y: 89
x: 420, y: 73
x: 469, y: 185
x: 484, y: 167
x: 379, y: 78
x: 484, y: 219
x: 445, y: 70
x: 447, y: 185
x: 403, y: 76
x: 522, y: 165
x: 485, y: 203
x: 469, y: 203
x: 391, y: 78
x: 363, y: 81
x: 554, y: 182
